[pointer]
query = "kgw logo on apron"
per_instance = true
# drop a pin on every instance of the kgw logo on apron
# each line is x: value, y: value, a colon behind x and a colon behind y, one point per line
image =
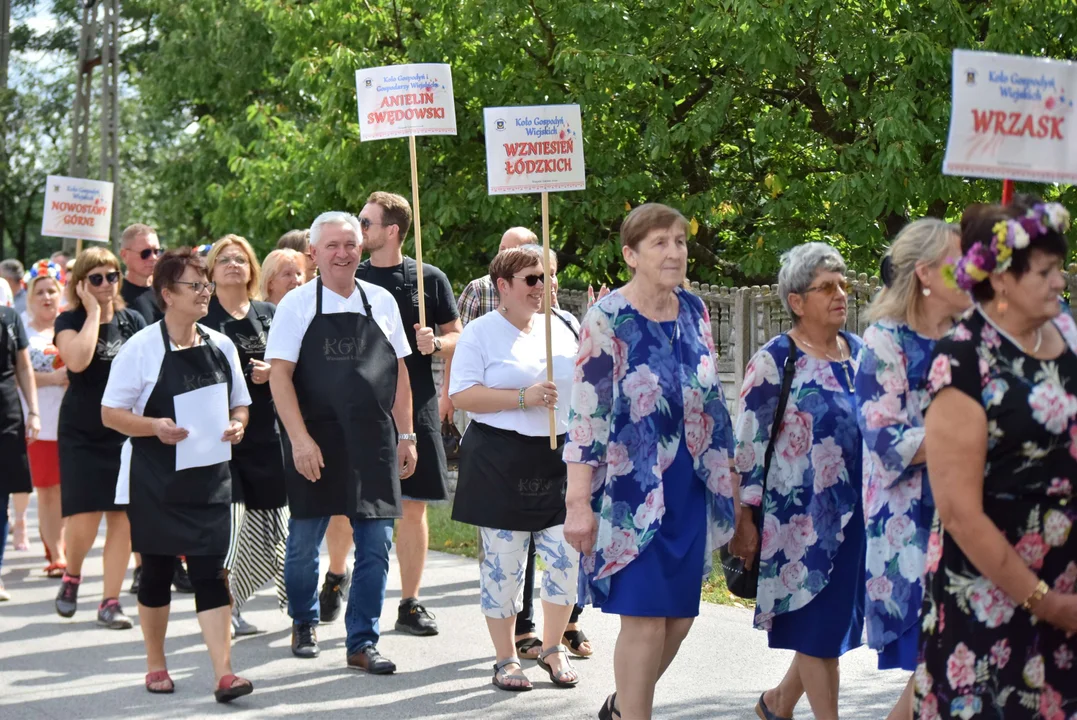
x: 345, y: 348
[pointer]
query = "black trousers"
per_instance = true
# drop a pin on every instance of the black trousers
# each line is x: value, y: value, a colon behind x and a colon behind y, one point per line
x: 207, y: 576
x: 525, y: 620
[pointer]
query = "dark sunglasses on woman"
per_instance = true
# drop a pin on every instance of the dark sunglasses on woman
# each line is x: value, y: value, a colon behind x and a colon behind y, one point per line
x: 97, y: 278
x: 531, y: 280
x: 145, y: 254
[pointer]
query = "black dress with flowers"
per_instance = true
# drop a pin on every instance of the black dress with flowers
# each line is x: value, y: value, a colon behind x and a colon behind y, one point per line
x: 982, y: 656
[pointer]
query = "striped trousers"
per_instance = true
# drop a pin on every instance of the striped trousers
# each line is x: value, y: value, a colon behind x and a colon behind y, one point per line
x: 256, y: 552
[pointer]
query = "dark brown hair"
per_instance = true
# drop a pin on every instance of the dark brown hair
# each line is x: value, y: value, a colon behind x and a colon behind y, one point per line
x: 170, y: 268
x: 510, y: 262
x: 978, y: 225
x: 395, y: 210
x: 298, y: 240
x: 648, y: 217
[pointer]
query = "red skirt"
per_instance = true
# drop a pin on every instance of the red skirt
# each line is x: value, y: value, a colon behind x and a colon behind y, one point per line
x: 44, y: 458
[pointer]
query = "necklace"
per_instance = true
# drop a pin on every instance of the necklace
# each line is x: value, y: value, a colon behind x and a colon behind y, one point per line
x: 827, y: 355
x: 1011, y: 338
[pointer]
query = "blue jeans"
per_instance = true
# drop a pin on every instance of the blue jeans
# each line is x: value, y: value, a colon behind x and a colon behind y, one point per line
x: 373, y: 538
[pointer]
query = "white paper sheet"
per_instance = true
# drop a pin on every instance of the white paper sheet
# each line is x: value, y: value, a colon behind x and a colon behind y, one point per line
x: 203, y: 413
x: 123, y: 482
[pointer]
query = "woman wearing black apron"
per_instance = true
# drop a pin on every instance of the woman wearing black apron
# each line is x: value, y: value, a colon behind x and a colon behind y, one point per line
x: 88, y: 336
x: 512, y: 484
x: 179, y: 511
x: 259, y: 502
x: 16, y: 374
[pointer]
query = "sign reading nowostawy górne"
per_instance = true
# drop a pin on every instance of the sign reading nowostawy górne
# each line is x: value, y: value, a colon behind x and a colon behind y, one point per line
x: 401, y: 100
x: 77, y: 208
x: 1013, y: 117
x: 536, y: 148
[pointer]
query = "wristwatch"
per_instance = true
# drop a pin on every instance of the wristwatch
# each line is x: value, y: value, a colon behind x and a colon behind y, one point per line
x: 401, y: 437
x: 437, y: 345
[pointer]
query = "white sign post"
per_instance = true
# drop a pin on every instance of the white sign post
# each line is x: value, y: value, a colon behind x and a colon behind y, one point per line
x: 399, y: 100
x: 77, y: 208
x: 530, y: 149
x: 1013, y: 117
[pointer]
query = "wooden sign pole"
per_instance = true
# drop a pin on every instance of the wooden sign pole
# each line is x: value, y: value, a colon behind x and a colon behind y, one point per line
x: 78, y: 248
x: 419, y: 233
x: 547, y: 289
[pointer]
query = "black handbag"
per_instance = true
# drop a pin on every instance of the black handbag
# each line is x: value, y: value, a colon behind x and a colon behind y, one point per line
x: 450, y: 438
x: 742, y: 582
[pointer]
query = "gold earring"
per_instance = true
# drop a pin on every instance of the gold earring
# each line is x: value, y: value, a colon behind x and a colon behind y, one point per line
x: 1003, y: 304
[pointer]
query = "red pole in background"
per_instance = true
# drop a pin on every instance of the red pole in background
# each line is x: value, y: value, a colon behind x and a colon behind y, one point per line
x: 1007, y: 191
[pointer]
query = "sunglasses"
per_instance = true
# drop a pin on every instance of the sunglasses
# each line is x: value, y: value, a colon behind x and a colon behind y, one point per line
x: 531, y: 280
x: 365, y: 223
x: 830, y: 287
x: 145, y: 254
x: 97, y: 278
x: 198, y: 286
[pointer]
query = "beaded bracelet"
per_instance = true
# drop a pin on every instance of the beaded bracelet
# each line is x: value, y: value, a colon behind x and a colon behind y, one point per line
x: 523, y: 405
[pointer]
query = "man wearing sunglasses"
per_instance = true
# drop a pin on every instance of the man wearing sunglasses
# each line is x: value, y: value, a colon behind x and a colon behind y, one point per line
x: 139, y: 250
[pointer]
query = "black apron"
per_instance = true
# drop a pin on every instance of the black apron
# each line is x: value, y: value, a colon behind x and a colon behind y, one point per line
x: 510, y: 481
x: 429, y: 481
x: 257, y: 461
x: 345, y: 380
x: 89, y: 451
x: 185, y: 512
x: 15, y: 472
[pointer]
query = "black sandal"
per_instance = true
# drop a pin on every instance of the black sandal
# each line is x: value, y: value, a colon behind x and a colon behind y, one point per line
x: 573, y: 639
x: 609, y: 709
x: 499, y: 673
x: 529, y: 648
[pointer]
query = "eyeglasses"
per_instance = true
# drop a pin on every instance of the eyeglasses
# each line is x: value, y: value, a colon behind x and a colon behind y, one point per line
x: 830, y: 287
x: 232, y: 260
x: 198, y: 286
x: 365, y: 223
x: 145, y: 254
x: 532, y: 280
x: 97, y: 278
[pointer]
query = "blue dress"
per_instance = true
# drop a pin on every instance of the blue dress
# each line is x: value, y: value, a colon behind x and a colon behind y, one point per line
x: 671, y: 565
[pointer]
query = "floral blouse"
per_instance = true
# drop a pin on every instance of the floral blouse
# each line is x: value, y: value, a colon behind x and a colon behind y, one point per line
x: 981, y: 655
x: 628, y: 382
x: 814, y: 481
x: 898, y: 509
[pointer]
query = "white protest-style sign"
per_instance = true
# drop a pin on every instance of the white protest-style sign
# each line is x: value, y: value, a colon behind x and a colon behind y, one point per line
x: 536, y: 148
x: 401, y: 100
x: 77, y: 208
x: 1013, y: 117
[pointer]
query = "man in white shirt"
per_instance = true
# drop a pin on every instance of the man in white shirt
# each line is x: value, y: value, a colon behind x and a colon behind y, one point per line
x: 341, y: 389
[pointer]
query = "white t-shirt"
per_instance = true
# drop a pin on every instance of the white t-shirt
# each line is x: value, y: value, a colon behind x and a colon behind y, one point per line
x: 6, y: 298
x: 43, y: 358
x: 494, y: 353
x: 134, y: 374
x: 298, y: 307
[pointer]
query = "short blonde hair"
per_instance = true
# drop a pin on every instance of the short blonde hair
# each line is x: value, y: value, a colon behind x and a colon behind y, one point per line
x: 87, y: 260
x: 272, y: 264
x: 254, y: 291
x: 927, y: 240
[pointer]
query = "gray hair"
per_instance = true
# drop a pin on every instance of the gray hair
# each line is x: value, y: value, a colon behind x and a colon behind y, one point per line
x: 334, y: 218
x: 927, y: 240
x: 12, y: 268
x: 800, y: 266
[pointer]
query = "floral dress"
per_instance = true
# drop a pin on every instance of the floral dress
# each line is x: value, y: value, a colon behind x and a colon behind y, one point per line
x: 981, y: 655
x: 641, y: 395
x: 898, y: 509
x: 812, y: 540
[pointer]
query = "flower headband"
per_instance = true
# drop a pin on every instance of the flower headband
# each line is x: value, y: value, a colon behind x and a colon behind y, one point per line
x: 983, y: 260
x: 45, y: 268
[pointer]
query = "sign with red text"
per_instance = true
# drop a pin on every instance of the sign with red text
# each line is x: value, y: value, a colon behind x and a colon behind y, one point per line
x: 401, y: 100
x: 1012, y: 118
x: 77, y: 208
x: 536, y: 148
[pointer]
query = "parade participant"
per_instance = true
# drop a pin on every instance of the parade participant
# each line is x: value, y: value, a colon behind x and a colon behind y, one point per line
x: 811, y: 552
x: 299, y: 240
x: 282, y: 271
x: 1000, y: 613
x: 339, y: 382
x: 914, y: 309
x: 385, y: 220
x: 647, y: 395
x: 512, y: 484
x: 44, y: 289
x: 139, y: 250
x: 178, y: 511
x: 259, y: 503
x: 12, y: 271
x: 16, y: 374
x: 88, y: 336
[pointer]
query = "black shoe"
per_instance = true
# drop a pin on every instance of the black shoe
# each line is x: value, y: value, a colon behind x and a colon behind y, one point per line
x: 332, y: 595
x: 370, y: 660
x: 110, y: 615
x: 136, y: 581
x: 180, y: 581
x: 305, y: 641
x: 67, y: 600
x: 411, y: 617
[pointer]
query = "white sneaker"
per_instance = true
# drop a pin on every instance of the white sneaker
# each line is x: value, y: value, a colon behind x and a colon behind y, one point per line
x: 240, y: 626
x: 4, y: 594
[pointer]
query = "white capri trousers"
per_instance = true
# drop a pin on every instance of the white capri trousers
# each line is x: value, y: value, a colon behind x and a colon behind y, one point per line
x: 501, y: 571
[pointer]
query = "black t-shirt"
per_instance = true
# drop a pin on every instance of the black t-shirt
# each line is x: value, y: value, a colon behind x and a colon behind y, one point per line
x: 12, y: 340
x: 440, y: 309
x: 126, y: 322
x: 142, y: 301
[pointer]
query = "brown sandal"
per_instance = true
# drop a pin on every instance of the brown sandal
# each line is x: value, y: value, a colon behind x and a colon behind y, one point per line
x: 159, y: 676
